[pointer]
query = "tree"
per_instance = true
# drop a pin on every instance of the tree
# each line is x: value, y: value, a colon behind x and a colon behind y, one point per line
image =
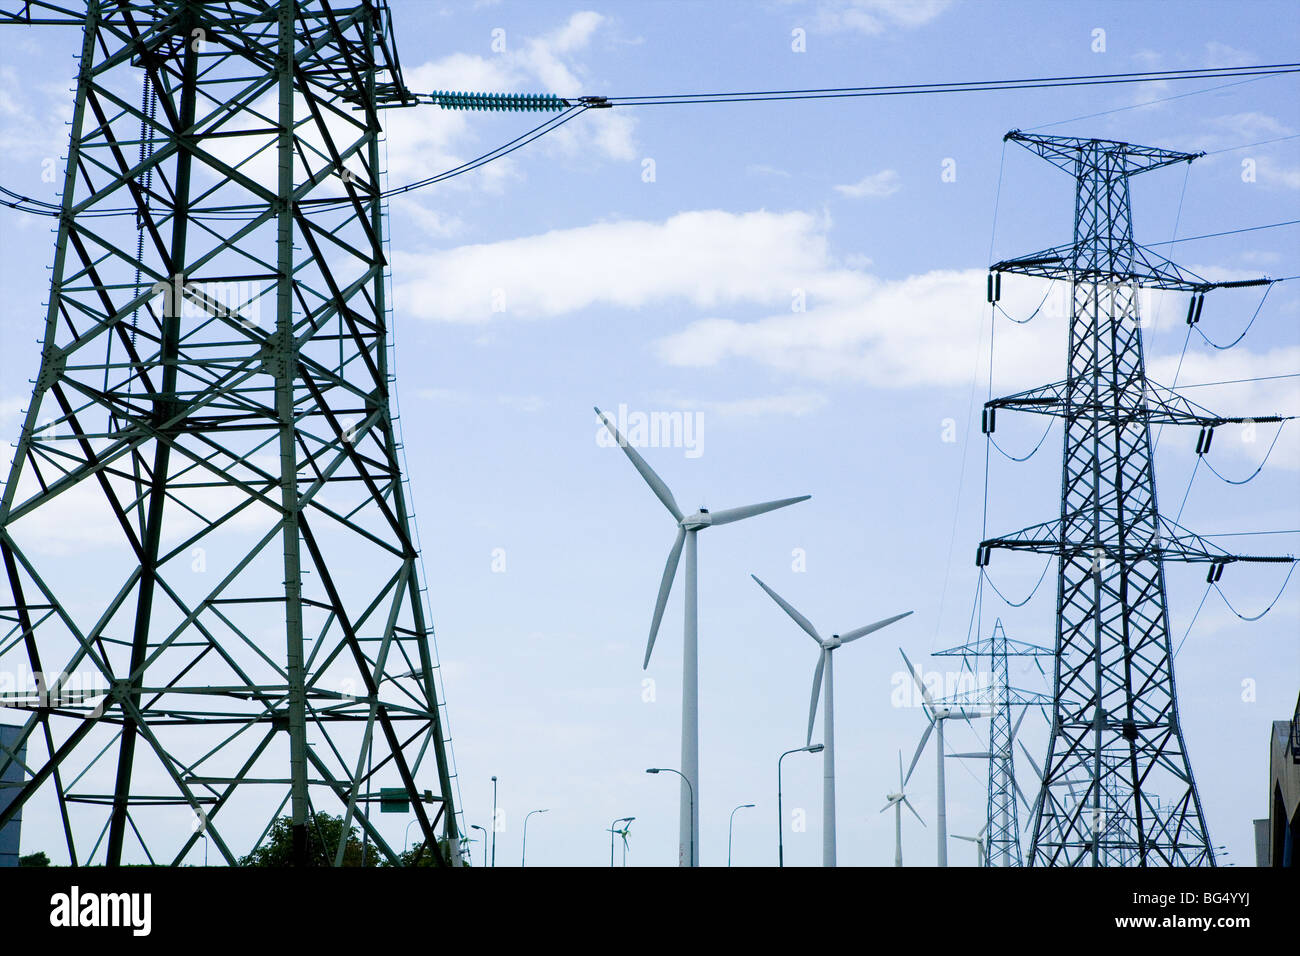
x: 323, y: 835
x: 34, y: 859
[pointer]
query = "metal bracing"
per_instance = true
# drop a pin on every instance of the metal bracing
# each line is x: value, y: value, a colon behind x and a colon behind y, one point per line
x: 1001, y: 834
x: 244, y: 633
x: 1115, y: 715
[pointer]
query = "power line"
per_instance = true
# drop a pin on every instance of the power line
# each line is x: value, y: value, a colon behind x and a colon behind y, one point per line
x: 1242, y: 381
x: 969, y: 86
x: 1137, y: 106
x: 1232, y: 232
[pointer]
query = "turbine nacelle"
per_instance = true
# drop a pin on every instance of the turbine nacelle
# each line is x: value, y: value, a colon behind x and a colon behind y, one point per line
x: 701, y: 519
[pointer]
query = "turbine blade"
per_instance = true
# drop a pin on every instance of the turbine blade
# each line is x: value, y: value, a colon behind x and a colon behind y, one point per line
x: 1020, y: 793
x: 864, y: 631
x: 1016, y: 729
x: 919, y: 747
x: 816, y: 691
x: 1038, y: 772
x: 665, y: 587
x: 973, y: 756
x: 900, y: 770
x: 908, y: 803
x: 925, y: 694
x: 794, y: 615
x: 654, y: 481
x: 888, y: 804
x: 728, y: 515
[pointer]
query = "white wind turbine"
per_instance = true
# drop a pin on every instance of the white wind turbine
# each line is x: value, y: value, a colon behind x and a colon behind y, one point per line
x: 688, y: 526
x: 826, y: 670
x: 980, y: 847
x: 937, y: 716
x: 897, y: 800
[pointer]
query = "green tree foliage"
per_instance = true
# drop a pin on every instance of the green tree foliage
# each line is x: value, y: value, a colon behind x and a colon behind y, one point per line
x: 324, y: 832
x: 34, y: 859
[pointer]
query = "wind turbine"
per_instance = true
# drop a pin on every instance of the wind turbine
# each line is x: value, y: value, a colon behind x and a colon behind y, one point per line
x: 826, y: 670
x: 688, y: 526
x: 937, y: 716
x: 979, y: 843
x: 896, y: 800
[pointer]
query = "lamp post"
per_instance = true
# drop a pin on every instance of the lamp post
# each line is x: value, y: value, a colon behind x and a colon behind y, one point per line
x: 494, y: 820
x: 613, y: 828
x: 475, y: 826
x: 780, y: 820
x: 730, y: 822
x: 406, y: 844
x: 523, y: 854
x: 690, y: 790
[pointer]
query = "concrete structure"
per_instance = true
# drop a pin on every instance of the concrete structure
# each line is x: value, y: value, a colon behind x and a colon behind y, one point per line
x: 1284, y: 792
x: 11, y: 778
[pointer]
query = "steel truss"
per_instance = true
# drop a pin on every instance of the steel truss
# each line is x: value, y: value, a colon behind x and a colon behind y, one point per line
x: 214, y: 409
x: 1115, y: 719
x: 998, y: 698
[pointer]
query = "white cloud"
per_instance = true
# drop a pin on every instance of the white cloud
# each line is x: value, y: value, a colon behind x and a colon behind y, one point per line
x: 842, y: 325
x: 792, y: 403
x: 428, y: 139
x: 707, y: 258
x: 874, y: 17
x: 872, y: 186
x: 1220, y: 55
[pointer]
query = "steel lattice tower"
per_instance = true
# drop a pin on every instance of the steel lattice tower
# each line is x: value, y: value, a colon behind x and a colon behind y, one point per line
x: 998, y: 698
x: 1115, y: 716
x: 215, y: 403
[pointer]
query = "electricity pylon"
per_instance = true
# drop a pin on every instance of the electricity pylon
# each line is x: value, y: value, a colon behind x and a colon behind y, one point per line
x: 1000, y: 838
x: 1115, y: 715
x: 214, y: 411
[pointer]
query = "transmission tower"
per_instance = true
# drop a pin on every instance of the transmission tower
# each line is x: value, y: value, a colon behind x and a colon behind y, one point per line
x: 248, y: 633
x: 1115, y: 718
x: 998, y: 698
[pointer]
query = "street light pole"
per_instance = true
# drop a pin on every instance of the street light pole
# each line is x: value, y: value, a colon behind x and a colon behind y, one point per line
x: 406, y: 845
x: 475, y: 826
x: 691, y: 791
x: 613, y: 828
x: 494, y: 820
x: 730, y: 823
x: 780, y: 819
x: 523, y: 854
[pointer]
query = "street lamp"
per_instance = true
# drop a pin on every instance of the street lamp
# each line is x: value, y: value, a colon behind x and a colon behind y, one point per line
x: 731, y: 821
x: 613, y: 828
x: 475, y: 826
x: 691, y: 791
x: 406, y: 845
x: 780, y: 820
x: 494, y: 820
x: 523, y: 854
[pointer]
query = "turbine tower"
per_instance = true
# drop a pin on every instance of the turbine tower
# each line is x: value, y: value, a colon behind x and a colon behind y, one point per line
x: 937, y: 714
x: 215, y: 405
x: 1115, y: 716
x: 825, y: 673
x: 688, y: 526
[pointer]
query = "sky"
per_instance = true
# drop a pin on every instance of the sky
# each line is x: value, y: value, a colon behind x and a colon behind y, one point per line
x: 804, y: 283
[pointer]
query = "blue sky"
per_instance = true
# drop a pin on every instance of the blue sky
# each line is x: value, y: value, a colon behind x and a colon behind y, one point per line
x: 567, y: 276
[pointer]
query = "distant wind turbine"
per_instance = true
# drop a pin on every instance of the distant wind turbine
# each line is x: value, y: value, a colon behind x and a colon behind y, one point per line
x: 897, y: 800
x: 937, y: 716
x: 980, y: 848
x: 825, y: 670
x: 687, y: 528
